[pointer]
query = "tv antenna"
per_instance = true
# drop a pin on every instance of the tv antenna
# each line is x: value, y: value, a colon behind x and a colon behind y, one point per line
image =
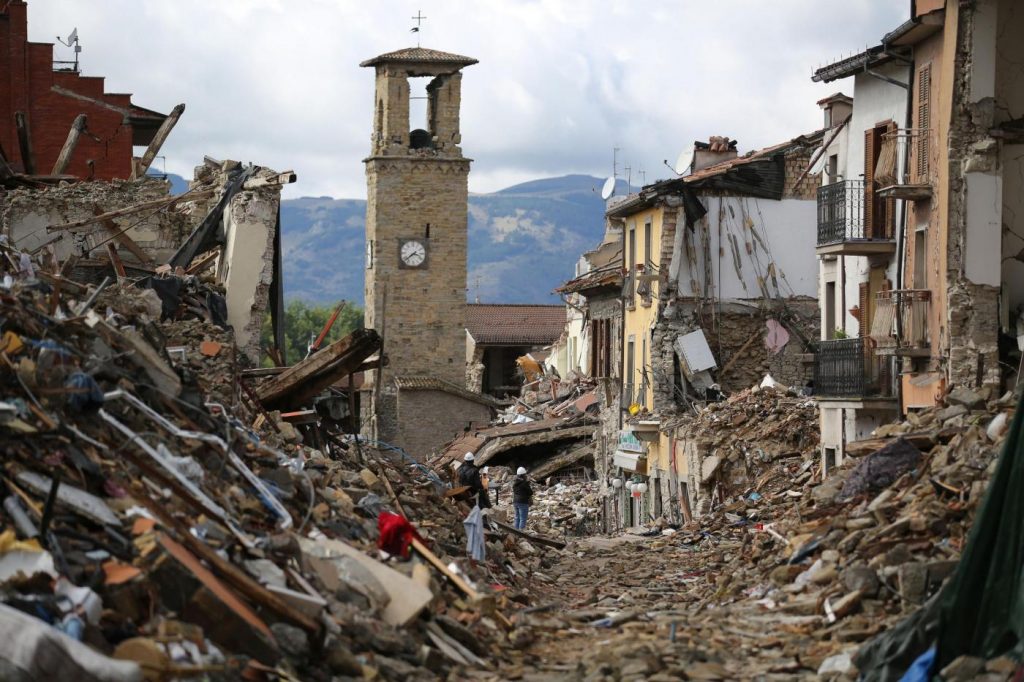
x: 419, y: 24
x: 72, y: 42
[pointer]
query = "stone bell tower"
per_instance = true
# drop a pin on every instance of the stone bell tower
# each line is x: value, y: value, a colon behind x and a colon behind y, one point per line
x: 416, y: 225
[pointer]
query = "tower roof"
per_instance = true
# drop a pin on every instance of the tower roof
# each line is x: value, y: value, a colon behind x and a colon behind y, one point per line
x: 422, y: 55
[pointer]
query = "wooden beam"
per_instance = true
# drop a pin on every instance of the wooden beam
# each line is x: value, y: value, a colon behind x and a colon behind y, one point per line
x: 158, y: 140
x: 61, y: 164
x: 28, y: 162
x: 557, y: 544
x: 303, y: 380
x: 203, y: 263
x: 115, y: 260
x: 122, y: 238
x: 434, y: 561
x: 157, y: 203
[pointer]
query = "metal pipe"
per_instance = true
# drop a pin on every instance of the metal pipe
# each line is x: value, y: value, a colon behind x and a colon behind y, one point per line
x: 212, y: 507
x: 27, y: 529
x: 92, y: 299
x: 285, y: 519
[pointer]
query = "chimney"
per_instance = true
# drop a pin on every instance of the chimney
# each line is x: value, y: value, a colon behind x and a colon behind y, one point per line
x: 715, y: 150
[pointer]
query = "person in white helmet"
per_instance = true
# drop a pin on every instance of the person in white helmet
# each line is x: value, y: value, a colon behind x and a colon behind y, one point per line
x: 469, y: 474
x: 522, y: 498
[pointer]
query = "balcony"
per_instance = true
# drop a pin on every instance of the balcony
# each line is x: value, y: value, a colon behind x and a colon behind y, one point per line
x: 898, y: 178
x: 846, y: 370
x: 900, y: 323
x: 841, y: 226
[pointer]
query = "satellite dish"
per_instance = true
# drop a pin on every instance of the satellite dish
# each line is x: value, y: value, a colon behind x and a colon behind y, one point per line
x: 684, y: 161
x: 609, y: 188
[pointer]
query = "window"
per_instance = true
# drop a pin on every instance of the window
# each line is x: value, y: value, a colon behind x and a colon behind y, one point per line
x: 627, y: 389
x: 830, y: 459
x: 630, y: 266
x: 648, y: 261
x: 830, y: 310
x: 924, y: 121
x: 642, y: 393
x: 833, y: 168
x: 921, y: 257
x: 600, y: 348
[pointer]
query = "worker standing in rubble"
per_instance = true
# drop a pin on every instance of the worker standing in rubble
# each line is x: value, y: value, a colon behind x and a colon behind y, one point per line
x: 522, y: 498
x: 469, y: 475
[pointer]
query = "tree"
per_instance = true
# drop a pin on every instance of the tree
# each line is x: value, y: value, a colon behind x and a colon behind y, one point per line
x: 303, y: 323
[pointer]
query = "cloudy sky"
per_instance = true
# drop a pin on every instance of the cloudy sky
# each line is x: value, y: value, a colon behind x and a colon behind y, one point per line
x: 559, y: 83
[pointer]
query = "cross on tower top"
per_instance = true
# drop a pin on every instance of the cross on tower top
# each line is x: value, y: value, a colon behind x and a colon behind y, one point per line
x: 416, y: 29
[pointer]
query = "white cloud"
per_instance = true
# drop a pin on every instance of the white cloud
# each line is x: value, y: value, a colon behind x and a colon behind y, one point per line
x: 560, y: 82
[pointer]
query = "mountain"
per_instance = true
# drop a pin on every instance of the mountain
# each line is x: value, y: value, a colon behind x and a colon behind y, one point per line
x: 523, y: 241
x: 179, y: 185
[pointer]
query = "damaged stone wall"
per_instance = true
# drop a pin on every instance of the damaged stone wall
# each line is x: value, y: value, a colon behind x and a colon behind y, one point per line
x: 736, y: 335
x: 428, y: 420
x: 25, y: 215
x: 156, y: 229
x: 972, y: 312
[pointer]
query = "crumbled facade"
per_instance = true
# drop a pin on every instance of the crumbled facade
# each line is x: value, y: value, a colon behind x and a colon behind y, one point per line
x: 147, y: 228
x: 719, y: 257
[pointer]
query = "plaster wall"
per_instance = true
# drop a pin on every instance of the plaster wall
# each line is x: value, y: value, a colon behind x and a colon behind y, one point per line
x: 641, y: 314
x: 247, y: 264
x: 982, y: 243
x: 789, y: 230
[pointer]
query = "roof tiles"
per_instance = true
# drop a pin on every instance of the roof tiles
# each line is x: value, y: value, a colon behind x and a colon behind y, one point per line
x: 515, y: 324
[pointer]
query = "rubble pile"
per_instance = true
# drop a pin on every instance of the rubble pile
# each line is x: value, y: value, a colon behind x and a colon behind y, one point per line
x: 548, y: 396
x: 757, y: 440
x: 148, y: 528
x: 567, y: 508
x: 786, y: 579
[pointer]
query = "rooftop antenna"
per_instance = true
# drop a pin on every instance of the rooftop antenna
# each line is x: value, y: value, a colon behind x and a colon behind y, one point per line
x: 71, y: 42
x: 608, y: 189
x: 629, y: 180
x: 643, y: 177
x: 477, y: 288
x: 416, y: 29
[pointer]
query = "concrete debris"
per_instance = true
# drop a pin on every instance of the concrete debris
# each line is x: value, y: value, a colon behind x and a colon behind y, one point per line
x: 785, y: 584
x: 222, y: 542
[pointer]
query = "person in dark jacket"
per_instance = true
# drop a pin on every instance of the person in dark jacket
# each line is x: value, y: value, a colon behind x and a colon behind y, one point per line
x: 522, y: 498
x: 469, y: 474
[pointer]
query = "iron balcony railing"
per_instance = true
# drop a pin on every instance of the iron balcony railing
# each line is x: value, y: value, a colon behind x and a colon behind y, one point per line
x: 846, y: 368
x: 841, y: 212
x: 908, y: 307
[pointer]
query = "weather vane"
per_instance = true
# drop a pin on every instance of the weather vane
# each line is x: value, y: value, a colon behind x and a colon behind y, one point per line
x: 416, y: 29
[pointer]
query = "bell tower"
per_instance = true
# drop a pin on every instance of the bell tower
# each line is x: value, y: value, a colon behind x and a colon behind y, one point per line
x: 416, y: 225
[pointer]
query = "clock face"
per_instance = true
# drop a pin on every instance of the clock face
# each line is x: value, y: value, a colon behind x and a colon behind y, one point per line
x: 413, y: 253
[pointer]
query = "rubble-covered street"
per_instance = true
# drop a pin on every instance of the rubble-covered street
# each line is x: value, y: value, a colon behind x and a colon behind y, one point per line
x: 769, y: 427
x: 786, y: 580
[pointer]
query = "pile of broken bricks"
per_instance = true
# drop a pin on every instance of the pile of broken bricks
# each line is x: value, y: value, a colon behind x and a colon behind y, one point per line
x: 150, y: 530
x: 785, y: 584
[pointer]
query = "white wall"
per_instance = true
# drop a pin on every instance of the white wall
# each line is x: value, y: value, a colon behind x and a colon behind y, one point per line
x: 787, y: 227
x: 874, y: 101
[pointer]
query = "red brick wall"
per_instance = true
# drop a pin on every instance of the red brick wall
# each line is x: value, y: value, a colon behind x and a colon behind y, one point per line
x: 26, y: 82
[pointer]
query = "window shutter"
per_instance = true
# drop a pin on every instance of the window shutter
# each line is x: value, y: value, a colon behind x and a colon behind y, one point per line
x: 869, y: 183
x: 865, y: 321
x: 924, y: 121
